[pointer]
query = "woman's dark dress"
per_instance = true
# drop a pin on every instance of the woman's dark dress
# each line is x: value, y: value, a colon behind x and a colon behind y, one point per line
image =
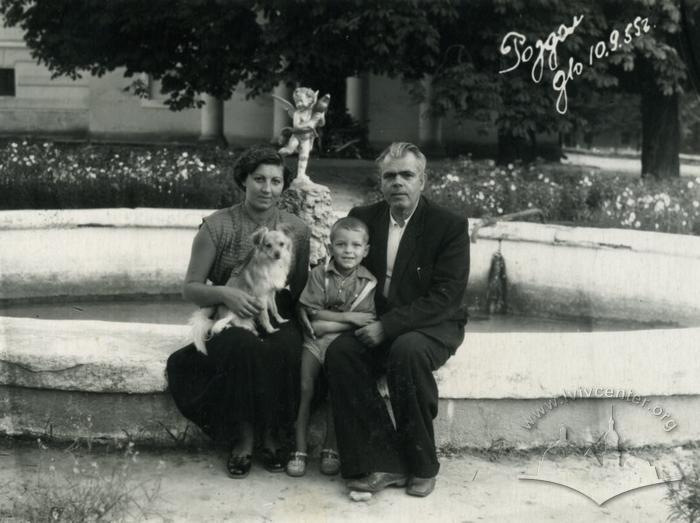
x: 243, y: 377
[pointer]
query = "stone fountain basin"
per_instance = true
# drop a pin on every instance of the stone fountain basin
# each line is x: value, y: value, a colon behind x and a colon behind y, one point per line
x: 104, y: 380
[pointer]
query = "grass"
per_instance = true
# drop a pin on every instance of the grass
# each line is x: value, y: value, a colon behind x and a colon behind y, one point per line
x: 72, y: 485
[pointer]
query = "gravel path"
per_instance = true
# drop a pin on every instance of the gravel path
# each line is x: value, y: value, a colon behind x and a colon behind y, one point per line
x: 194, y: 487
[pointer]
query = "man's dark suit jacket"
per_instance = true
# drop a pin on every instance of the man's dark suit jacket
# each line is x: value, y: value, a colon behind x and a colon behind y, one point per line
x: 430, y: 272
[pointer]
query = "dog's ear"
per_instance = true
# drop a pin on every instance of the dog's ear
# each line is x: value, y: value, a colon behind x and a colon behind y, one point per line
x: 259, y: 235
x: 287, y: 229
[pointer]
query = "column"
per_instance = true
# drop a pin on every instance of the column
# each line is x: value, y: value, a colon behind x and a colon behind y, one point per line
x: 357, y: 97
x: 280, y: 116
x: 429, y: 125
x: 212, y: 114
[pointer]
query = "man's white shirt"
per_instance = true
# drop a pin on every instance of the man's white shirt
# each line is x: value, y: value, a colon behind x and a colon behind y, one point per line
x: 392, y: 246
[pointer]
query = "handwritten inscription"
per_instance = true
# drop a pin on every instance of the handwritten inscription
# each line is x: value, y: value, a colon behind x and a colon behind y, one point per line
x: 543, y: 53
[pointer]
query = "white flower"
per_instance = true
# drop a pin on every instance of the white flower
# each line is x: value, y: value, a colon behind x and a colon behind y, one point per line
x: 510, y: 166
x: 630, y: 202
x: 185, y: 155
x: 500, y: 210
x: 690, y: 185
x: 659, y: 206
x: 637, y: 224
x: 512, y: 187
x: 632, y: 217
x: 696, y: 204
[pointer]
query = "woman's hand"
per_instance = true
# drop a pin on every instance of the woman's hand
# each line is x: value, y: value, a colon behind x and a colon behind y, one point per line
x: 240, y: 302
x: 360, y: 319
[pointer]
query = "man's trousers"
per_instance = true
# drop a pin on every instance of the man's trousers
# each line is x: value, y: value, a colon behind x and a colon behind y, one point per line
x: 367, y: 439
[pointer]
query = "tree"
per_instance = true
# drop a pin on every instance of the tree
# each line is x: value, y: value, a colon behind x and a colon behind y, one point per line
x: 342, y: 38
x: 192, y: 46
x: 468, y: 81
x: 649, y: 65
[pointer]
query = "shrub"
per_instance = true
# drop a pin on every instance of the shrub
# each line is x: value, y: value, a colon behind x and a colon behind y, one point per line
x: 44, y: 175
x: 567, y: 194
x: 683, y: 496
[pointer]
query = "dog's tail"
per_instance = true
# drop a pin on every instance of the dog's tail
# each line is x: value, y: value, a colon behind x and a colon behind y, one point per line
x: 201, y: 323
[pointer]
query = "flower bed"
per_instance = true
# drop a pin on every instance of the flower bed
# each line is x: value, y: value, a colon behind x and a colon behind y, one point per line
x: 36, y: 175
x: 51, y: 176
x: 568, y: 194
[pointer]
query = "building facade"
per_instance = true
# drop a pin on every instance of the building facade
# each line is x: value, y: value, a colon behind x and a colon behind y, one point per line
x: 32, y: 102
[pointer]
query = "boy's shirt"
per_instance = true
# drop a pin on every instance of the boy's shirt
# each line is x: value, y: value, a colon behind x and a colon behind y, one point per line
x: 327, y: 289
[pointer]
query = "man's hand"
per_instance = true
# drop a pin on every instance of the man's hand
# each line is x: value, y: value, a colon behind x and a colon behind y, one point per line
x: 359, y: 319
x: 372, y: 334
x: 306, y: 326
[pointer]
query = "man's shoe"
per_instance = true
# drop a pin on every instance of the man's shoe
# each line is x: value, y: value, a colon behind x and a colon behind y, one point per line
x: 420, y: 487
x: 377, y: 481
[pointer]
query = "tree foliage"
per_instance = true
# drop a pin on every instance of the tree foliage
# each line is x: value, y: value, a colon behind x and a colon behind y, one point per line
x: 215, y: 46
x: 308, y: 39
x: 192, y: 46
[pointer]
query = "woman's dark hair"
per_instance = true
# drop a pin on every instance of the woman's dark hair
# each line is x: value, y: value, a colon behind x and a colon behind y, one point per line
x: 257, y: 155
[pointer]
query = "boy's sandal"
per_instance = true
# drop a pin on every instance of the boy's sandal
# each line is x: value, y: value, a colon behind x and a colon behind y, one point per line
x: 238, y: 467
x: 330, y: 462
x: 296, y: 466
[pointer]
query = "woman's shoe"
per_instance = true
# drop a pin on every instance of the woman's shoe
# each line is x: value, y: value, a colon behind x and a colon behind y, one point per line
x: 296, y: 466
x: 238, y: 467
x: 272, y: 461
x: 330, y: 462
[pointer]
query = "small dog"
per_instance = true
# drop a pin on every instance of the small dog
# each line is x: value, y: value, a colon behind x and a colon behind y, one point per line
x: 264, y: 273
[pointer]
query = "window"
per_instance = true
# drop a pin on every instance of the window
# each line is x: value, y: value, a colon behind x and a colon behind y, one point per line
x: 152, y: 95
x: 154, y: 89
x: 7, y: 82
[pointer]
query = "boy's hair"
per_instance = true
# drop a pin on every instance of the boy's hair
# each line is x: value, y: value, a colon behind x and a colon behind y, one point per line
x: 349, y: 224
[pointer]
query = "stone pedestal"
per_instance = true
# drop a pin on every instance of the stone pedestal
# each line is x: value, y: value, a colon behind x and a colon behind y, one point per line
x: 312, y: 203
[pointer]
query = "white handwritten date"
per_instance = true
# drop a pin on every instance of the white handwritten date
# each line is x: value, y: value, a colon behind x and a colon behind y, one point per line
x: 544, y: 53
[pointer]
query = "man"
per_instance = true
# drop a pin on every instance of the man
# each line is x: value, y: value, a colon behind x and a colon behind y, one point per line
x: 419, y: 253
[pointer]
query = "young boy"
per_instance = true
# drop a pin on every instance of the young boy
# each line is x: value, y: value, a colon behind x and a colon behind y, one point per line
x: 338, y: 296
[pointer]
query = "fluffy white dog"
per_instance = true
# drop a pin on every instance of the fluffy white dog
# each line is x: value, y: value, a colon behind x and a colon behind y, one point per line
x: 264, y: 273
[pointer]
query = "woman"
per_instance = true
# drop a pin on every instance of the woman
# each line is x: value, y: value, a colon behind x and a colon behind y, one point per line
x: 244, y: 385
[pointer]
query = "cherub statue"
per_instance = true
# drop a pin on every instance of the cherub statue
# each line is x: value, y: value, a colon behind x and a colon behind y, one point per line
x: 307, y: 114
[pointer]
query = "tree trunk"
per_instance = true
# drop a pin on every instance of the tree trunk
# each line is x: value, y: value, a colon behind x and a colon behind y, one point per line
x: 660, y: 134
x: 511, y: 148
